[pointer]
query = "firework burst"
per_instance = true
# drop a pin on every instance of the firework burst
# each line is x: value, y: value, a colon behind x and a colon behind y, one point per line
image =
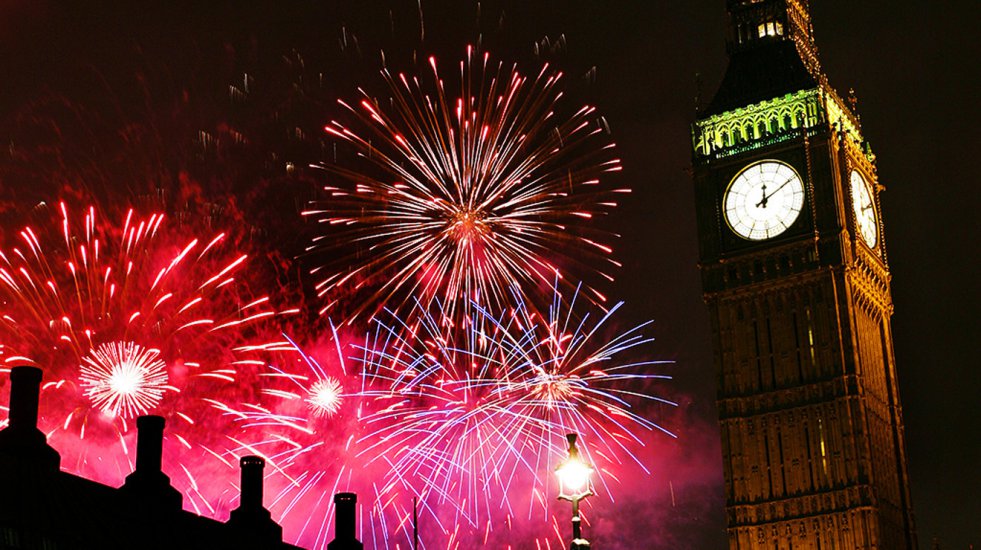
x: 573, y: 372
x: 465, y: 193
x: 125, y: 319
x: 123, y: 378
x: 469, y: 419
x: 305, y: 421
x: 476, y: 424
x: 324, y: 398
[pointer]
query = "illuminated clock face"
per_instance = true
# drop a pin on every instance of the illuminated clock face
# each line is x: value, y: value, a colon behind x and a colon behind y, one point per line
x: 764, y: 200
x: 864, y: 209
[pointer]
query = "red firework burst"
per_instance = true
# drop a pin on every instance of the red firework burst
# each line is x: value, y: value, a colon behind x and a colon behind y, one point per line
x: 125, y: 318
x: 465, y: 192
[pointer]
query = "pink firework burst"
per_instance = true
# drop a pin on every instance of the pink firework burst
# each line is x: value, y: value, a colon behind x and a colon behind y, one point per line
x: 306, y: 420
x: 476, y: 418
x: 464, y: 192
x: 470, y: 420
x: 573, y: 371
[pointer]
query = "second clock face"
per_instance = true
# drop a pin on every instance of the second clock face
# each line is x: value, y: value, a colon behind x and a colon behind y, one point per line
x: 764, y: 200
x: 864, y: 209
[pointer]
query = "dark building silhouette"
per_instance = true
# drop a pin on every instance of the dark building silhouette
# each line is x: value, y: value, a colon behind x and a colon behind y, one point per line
x: 148, y: 486
x: 251, y: 519
x: 42, y: 507
x: 795, y: 274
x: 344, y: 523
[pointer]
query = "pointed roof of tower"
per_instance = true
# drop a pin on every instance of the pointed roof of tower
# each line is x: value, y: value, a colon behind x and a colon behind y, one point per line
x: 771, y: 53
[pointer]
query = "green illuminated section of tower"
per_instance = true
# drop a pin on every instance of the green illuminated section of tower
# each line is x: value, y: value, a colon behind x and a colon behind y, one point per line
x: 772, y: 121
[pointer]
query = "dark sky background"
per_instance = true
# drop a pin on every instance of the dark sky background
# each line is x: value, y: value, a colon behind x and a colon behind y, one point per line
x: 914, y: 68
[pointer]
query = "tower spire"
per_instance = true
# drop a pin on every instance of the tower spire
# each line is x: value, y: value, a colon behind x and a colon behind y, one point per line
x: 760, y: 23
x: 771, y: 53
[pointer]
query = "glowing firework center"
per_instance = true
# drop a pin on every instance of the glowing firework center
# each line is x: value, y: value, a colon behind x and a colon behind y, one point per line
x: 123, y: 378
x: 467, y: 226
x: 324, y: 397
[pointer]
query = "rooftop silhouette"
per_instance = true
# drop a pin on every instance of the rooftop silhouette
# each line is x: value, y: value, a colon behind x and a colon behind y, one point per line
x: 42, y: 507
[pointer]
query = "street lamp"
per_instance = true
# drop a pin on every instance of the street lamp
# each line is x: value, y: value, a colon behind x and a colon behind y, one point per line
x: 573, y: 476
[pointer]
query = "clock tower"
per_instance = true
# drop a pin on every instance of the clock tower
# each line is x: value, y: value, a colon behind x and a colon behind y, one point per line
x: 796, y: 278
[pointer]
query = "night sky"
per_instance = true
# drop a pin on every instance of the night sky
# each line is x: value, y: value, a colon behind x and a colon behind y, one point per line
x: 913, y: 66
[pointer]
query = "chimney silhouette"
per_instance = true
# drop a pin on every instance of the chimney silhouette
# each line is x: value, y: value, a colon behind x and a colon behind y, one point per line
x: 344, y: 538
x: 21, y: 440
x: 148, y: 484
x: 254, y: 524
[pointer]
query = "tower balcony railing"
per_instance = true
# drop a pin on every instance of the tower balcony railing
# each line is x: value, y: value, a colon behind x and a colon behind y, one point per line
x: 721, y: 152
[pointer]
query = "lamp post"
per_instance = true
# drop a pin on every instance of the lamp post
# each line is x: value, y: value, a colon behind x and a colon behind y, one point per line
x: 574, y: 486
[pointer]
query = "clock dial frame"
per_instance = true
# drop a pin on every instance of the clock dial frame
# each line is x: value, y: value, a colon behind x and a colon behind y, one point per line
x: 763, y: 200
x: 866, y: 218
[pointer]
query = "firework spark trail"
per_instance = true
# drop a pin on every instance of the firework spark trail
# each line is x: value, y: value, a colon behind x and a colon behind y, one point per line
x: 475, y: 421
x: 312, y: 448
x: 438, y: 427
x: 481, y: 189
x: 126, y: 319
x: 469, y: 419
x: 565, y: 374
x: 315, y: 454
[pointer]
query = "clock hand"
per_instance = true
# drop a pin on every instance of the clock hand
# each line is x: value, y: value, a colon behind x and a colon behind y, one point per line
x: 775, y: 191
x: 762, y: 203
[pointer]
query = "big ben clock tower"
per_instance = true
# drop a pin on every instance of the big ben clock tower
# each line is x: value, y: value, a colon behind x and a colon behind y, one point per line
x: 796, y: 277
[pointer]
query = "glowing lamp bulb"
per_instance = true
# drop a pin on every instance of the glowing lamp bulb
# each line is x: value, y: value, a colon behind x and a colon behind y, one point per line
x: 574, y: 475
